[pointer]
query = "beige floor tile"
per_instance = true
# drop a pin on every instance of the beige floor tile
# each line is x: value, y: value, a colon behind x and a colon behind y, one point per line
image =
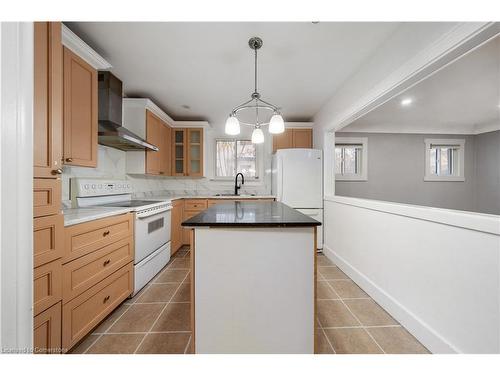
x: 176, y: 317
x: 183, y: 294
x: 164, y: 343
x: 111, y: 318
x: 324, y: 261
x: 324, y: 291
x: 331, y: 273
x: 139, y: 318
x: 180, y: 263
x: 397, y: 340
x: 84, y: 344
x: 116, y: 344
x: 322, y: 345
x: 352, y: 341
x: 159, y: 293
x: 347, y: 289
x: 138, y: 295
x: 190, y: 348
x: 369, y: 313
x: 335, y: 314
x: 171, y: 275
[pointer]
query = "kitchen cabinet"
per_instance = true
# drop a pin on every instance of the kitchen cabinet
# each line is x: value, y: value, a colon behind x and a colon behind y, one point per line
x: 47, y: 100
x: 176, y: 229
x: 48, y: 226
x: 153, y: 136
x: 293, y: 138
x: 166, y: 150
x: 47, y: 331
x: 179, y: 152
x: 145, y: 119
x: 80, y: 111
x: 187, y: 152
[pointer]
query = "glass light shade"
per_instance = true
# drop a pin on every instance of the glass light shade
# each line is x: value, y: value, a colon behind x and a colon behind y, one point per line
x: 257, y: 136
x: 232, y: 125
x: 276, y: 124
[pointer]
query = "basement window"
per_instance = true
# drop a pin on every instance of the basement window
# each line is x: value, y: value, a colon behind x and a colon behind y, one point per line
x: 444, y: 160
x: 235, y: 156
x: 351, y: 159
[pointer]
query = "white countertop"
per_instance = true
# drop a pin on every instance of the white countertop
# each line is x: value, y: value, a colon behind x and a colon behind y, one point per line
x: 74, y: 216
x: 231, y: 197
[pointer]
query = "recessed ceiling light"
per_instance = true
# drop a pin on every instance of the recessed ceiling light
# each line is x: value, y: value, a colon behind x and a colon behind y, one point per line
x: 185, y: 106
x: 406, y: 101
x: 315, y: 22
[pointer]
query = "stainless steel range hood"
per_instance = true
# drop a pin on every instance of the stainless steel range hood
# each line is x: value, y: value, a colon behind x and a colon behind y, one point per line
x: 111, y: 132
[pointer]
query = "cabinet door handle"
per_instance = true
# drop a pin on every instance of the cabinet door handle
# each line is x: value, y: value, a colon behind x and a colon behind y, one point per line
x: 69, y: 160
x: 105, y: 299
x: 106, y: 262
x: 105, y: 233
x: 56, y: 171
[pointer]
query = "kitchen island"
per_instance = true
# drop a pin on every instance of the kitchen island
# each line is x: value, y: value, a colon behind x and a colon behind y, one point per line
x: 253, y: 279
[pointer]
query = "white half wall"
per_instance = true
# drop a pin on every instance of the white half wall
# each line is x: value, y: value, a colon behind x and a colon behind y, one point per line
x: 436, y: 271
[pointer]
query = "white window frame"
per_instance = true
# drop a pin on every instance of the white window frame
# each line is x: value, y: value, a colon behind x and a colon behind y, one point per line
x: 428, y: 176
x: 363, y: 176
x: 258, y: 154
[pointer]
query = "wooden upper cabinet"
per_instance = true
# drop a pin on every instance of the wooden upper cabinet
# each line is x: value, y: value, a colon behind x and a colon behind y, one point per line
x: 179, y: 152
x: 153, y: 136
x: 293, y: 138
x: 80, y: 111
x: 194, y: 152
x: 302, y: 138
x: 187, y: 152
x: 166, y: 150
x: 48, y: 100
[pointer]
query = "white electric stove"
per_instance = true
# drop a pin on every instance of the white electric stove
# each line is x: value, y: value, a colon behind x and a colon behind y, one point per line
x: 152, y: 222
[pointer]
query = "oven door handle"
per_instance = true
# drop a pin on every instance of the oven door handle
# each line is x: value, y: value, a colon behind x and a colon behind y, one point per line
x: 152, y: 213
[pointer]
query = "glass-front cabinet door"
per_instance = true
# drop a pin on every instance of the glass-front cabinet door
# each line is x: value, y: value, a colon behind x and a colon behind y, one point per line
x: 179, y: 152
x: 195, y: 152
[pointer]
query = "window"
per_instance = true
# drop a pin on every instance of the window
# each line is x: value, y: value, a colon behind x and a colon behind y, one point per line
x: 444, y: 160
x: 351, y: 159
x: 235, y: 156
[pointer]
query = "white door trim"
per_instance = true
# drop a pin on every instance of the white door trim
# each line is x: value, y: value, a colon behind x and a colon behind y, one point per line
x: 16, y: 186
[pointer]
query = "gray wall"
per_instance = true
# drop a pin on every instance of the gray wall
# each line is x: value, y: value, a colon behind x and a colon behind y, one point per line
x: 396, y: 173
x: 487, y: 167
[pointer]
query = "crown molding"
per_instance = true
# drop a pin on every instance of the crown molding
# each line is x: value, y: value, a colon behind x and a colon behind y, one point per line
x: 299, y: 124
x: 82, y: 49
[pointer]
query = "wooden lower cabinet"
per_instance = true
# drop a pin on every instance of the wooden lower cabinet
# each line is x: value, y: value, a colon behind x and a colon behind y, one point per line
x: 47, y: 286
x: 48, y: 239
x: 186, y: 232
x: 46, y: 196
x: 82, y: 273
x: 82, y: 239
x: 176, y: 228
x: 83, y: 313
x: 47, y: 331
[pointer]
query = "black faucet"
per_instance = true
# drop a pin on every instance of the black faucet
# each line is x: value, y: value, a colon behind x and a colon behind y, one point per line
x: 236, y: 186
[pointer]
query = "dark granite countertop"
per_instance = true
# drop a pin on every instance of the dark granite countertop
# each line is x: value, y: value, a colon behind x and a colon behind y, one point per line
x: 251, y: 214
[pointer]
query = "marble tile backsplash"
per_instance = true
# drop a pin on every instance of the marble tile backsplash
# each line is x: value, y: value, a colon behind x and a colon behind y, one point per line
x: 111, y: 164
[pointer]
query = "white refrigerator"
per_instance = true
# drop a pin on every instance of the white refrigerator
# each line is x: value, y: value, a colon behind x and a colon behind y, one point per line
x: 297, y: 181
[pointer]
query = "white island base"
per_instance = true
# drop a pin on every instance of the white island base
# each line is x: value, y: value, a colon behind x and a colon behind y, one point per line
x: 253, y: 289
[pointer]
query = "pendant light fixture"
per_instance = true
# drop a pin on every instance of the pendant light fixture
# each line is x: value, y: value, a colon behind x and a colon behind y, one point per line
x: 261, y: 108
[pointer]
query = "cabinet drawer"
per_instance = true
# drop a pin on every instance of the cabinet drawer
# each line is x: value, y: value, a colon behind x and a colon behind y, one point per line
x: 46, y: 286
x: 195, y: 204
x: 82, y: 239
x: 83, y: 313
x: 82, y: 273
x: 48, y: 239
x: 46, y: 197
x: 47, y: 331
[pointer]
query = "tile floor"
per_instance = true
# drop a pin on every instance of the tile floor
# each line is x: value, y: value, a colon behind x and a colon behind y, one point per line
x: 157, y: 319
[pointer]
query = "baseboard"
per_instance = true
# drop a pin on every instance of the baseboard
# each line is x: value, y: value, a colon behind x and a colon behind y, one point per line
x: 424, y: 333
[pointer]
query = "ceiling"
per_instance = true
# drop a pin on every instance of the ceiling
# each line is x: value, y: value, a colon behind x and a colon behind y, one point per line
x: 208, y: 67
x: 464, y: 97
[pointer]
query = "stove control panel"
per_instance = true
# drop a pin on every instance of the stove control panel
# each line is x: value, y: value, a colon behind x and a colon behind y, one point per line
x: 82, y: 187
